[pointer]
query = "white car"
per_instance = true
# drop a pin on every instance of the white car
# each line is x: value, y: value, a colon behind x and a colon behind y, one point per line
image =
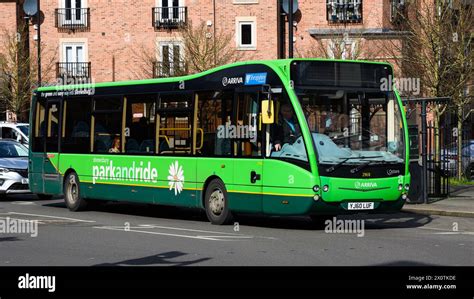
x: 13, y: 168
x: 15, y: 131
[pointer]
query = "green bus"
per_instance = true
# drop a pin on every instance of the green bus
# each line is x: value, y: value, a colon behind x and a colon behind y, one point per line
x: 307, y: 137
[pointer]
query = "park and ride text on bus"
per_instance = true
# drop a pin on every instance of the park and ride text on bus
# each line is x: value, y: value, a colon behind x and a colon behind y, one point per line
x: 281, y: 137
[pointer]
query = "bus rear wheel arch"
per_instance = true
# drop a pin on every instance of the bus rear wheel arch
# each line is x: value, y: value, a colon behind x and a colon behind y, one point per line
x: 72, y: 193
x: 216, y: 203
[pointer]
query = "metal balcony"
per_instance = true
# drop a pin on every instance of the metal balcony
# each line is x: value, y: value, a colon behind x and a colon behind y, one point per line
x: 169, y: 17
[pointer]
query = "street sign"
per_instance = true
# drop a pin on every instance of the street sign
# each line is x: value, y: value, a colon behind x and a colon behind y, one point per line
x: 286, y: 6
x: 30, y: 7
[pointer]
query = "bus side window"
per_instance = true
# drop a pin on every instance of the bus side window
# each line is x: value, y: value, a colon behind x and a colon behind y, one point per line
x: 140, y: 125
x: 214, y: 121
x: 248, y: 137
x: 40, y: 127
x: 174, y: 117
x: 76, y: 125
x: 107, y: 124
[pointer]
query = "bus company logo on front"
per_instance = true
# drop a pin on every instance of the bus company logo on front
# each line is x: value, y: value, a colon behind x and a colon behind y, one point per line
x: 359, y: 185
x: 231, y: 81
x: 393, y: 171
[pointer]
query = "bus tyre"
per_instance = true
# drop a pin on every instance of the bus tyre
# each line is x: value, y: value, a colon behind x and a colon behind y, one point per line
x: 72, y: 194
x: 216, y: 203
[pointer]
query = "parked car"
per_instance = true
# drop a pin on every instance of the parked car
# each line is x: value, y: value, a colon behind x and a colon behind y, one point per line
x: 13, y: 168
x: 450, y: 158
x: 15, y: 131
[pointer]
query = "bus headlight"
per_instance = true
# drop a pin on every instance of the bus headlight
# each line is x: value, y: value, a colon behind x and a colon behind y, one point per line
x: 325, y: 188
x: 404, y: 196
x: 400, y: 187
x: 316, y: 188
x: 407, y: 187
x: 316, y: 197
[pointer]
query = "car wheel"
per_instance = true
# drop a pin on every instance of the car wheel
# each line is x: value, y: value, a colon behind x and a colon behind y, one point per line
x: 216, y: 203
x: 72, y: 193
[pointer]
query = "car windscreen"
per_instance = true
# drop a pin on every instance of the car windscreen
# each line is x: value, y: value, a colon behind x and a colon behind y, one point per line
x: 12, y: 150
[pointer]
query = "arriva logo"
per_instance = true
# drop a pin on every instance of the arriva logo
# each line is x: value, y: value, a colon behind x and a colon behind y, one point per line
x: 359, y: 185
x: 231, y: 81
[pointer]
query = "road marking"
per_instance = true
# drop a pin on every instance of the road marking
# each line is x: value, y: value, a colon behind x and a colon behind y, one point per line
x: 157, y: 233
x: 23, y: 203
x: 48, y: 216
x: 186, y: 229
x: 455, y: 233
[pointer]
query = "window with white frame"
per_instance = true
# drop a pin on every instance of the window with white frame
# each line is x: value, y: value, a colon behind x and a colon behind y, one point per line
x: 170, y: 59
x: 75, y: 12
x: 171, y: 12
x: 74, y: 63
x: 341, y: 49
x: 246, y: 33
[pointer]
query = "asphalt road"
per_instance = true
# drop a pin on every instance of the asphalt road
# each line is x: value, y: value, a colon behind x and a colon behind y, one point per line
x: 143, y: 235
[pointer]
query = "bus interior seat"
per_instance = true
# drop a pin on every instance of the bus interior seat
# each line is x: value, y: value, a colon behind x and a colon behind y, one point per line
x: 132, y: 146
x: 147, y: 146
x: 81, y: 129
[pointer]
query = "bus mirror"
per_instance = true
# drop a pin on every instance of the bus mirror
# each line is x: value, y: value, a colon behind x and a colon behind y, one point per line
x: 268, y: 116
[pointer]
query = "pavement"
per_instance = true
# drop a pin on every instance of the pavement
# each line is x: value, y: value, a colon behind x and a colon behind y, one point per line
x: 459, y: 204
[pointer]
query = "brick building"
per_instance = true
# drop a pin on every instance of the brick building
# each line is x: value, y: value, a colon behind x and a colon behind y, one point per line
x: 103, y: 39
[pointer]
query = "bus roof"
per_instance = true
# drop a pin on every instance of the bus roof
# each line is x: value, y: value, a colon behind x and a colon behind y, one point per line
x: 271, y: 63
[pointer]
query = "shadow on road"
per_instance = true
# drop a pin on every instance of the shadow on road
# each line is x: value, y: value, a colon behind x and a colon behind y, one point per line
x: 159, y: 259
x: 371, y: 221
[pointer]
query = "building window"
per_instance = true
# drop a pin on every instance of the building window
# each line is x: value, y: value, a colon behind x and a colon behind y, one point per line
x: 343, y: 49
x: 246, y: 33
x: 170, y: 60
x: 74, y: 63
x: 344, y: 11
x: 397, y: 11
x: 73, y: 14
x: 169, y: 14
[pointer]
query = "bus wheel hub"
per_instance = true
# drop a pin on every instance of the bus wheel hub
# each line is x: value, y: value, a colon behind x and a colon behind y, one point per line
x: 217, y: 202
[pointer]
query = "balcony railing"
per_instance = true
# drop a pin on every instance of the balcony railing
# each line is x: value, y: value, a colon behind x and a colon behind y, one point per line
x: 72, y: 18
x: 397, y: 11
x: 168, y: 69
x: 73, y: 70
x: 344, y: 11
x: 169, y: 17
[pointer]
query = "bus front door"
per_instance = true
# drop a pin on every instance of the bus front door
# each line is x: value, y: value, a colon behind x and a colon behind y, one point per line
x: 51, y: 175
x: 248, y: 147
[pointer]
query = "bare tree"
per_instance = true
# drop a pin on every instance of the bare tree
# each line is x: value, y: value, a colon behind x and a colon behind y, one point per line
x: 342, y: 44
x: 438, y: 50
x: 18, y: 74
x: 204, y: 50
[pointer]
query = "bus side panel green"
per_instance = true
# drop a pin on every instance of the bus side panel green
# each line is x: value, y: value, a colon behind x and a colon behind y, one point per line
x: 174, y: 182
x: 287, y: 188
x: 52, y: 177
x: 222, y: 168
x: 343, y: 189
x: 245, y: 196
x: 35, y: 172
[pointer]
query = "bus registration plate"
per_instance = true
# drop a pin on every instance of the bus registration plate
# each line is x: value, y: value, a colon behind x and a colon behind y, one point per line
x: 360, y: 206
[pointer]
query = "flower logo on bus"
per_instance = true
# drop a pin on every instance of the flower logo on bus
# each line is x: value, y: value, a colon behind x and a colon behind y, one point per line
x: 176, y: 177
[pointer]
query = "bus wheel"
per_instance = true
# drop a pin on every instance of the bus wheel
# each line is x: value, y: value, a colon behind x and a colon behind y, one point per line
x: 216, y: 203
x: 72, y: 195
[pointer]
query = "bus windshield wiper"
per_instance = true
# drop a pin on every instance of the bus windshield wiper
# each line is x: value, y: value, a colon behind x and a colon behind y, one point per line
x: 362, y: 166
x: 334, y: 167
